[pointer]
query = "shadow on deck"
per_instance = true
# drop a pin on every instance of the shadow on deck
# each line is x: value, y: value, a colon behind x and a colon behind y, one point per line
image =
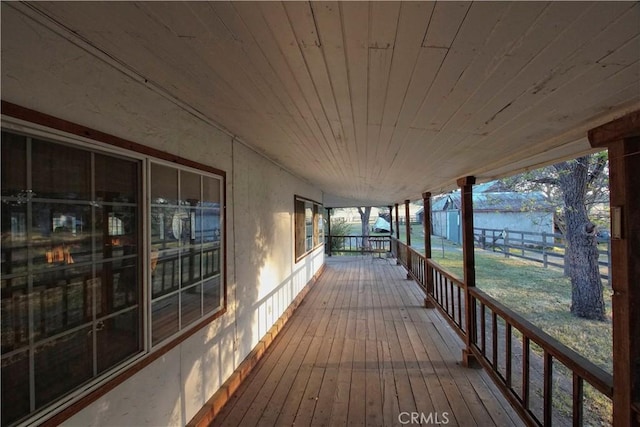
x: 362, y: 350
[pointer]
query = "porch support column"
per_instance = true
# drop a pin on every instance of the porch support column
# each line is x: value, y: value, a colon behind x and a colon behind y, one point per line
x: 397, y: 235
x: 329, y: 229
x: 426, y: 226
x: 391, y: 220
x: 407, y: 226
x: 622, y: 138
x: 468, y: 260
x: 397, y: 223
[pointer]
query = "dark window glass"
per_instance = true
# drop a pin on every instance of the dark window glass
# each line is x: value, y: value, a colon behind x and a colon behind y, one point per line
x: 61, y: 234
x: 14, y: 165
x: 191, y: 303
x: 71, y: 264
x: 308, y: 223
x: 116, y: 231
x: 190, y: 188
x: 164, y: 184
x: 212, y: 293
x: 62, y: 365
x: 116, y: 179
x: 117, y: 338
x: 210, y: 190
x: 14, y: 238
x: 164, y: 318
x: 15, y: 377
x: 70, y: 271
x: 60, y: 172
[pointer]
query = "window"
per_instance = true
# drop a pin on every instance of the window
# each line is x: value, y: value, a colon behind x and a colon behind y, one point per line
x: 309, y: 232
x: 73, y: 244
x: 185, y: 248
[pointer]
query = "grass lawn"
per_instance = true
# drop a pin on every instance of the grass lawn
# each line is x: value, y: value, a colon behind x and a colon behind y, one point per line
x: 542, y: 296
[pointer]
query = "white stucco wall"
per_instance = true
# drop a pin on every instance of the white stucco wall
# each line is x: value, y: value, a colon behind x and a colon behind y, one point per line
x: 45, y: 72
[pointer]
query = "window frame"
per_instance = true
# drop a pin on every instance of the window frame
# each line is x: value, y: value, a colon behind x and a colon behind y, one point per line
x: 148, y: 248
x: 24, y: 121
x: 301, y: 224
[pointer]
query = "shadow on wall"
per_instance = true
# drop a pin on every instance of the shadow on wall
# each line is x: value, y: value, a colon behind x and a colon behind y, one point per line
x: 270, y: 282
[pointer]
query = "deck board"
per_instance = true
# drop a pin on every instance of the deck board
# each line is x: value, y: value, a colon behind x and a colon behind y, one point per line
x: 360, y: 350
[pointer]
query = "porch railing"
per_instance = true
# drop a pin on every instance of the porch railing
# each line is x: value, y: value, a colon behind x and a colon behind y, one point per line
x: 358, y: 244
x: 498, y: 335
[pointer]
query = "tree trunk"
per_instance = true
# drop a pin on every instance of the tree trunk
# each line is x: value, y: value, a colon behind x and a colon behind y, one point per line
x: 365, y: 213
x: 582, y: 245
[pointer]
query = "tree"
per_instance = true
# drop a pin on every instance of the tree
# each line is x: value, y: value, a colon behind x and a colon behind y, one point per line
x: 365, y: 213
x: 575, y: 186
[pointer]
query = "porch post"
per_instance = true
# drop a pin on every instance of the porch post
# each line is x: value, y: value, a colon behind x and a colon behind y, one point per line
x: 407, y: 226
x: 397, y: 223
x: 329, y: 229
x: 468, y: 259
x: 426, y: 226
x: 397, y: 236
x: 391, y: 220
x: 622, y: 138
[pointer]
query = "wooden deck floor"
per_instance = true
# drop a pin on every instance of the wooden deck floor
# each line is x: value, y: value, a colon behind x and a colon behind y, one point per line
x: 362, y: 350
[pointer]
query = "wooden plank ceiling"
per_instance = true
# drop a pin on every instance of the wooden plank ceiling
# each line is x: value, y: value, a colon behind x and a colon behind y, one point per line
x: 376, y: 102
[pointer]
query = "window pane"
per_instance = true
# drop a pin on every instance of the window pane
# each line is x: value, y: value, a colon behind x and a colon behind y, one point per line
x: 164, y: 315
x: 14, y: 164
x: 191, y: 260
x: 183, y: 227
x: 61, y: 300
x: 60, y: 172
x: 120, y: 281
x: 164, y: 184
x: 212, y: 293
x: 211, y: 190
x: 300, y: 228
x: 211, y: 260
x: 191, y: 305
x: 164, y: 252
x: 118, y: 338
x: 14, y: 239
x: 116, y: 179
x: 308, y: 220
x: 190, y: 188
x: 15, y: 314
x: 61, y: 234
x: 116, y: 231
x: 62, y: 365
x: 15, y: 377
x: 208, y: 224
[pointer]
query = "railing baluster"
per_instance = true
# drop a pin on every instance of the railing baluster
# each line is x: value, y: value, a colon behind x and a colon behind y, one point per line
x: 508, y: 353
x: 526, y: 346
x: 446, y: 295
x: 494, y: 339
x: 548, y: 388
x: 460, y: 305
x: 483, y: 331
x: 578, y: 394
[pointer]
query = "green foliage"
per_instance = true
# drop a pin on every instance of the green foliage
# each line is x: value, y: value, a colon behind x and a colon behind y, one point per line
x: 339, y: 227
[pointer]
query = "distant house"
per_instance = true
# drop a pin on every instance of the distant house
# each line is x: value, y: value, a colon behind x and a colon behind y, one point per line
x: 492, y: 209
